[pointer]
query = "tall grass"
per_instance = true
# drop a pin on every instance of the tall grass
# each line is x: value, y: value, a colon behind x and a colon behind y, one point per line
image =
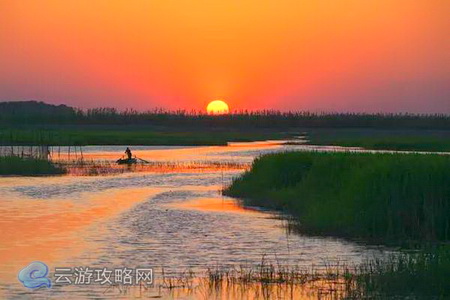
x: 419, y: 140
x: 33, y: 112
x: 387, y: 197
x: 129, y: 135
x: 13, y: 165
x: 421, y: 275
x: 37, y: 123
x: 104, y: 168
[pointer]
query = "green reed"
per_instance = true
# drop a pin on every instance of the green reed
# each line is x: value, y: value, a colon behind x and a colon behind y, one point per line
x: 382, y: 197
x: 14, y: 165
x: 105, y: 168
x: 411, y: 139
x: 420, y: 275
x: 412, y: 275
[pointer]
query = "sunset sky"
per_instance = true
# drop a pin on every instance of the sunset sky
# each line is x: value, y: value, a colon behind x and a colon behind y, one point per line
x: 317, y: 55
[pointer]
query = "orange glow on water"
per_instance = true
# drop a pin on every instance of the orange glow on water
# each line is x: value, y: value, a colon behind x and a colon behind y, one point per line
x: 57, y: 226
x: 214, y: 204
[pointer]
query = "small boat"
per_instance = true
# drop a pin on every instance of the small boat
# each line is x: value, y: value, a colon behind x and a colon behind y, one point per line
x: 126, y: 161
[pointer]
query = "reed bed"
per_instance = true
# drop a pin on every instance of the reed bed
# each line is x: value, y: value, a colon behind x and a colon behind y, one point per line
x: 419, y: 275
x: 80, y: 135
x: 263, y: 281
x: 33, y: 112
x: 14, y: 165
x: 104, y: 168
x: 413, y: 275
x: 389, y: 198
x: 415, y: 140
x: 38, y: 123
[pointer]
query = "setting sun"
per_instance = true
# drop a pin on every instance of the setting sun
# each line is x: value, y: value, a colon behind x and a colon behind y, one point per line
x: 217, y: 107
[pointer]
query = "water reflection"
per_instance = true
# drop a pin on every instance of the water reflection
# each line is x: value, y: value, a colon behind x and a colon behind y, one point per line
x: 223, y: 205
x: 169, y: 217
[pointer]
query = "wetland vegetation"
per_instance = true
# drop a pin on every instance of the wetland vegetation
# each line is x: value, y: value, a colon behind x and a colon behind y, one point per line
x: 32, y: 122
x: 14, y: 165
x: 394, y: 199
x: 373, y: 196
x: 421, y: 275
x: 380, y: 139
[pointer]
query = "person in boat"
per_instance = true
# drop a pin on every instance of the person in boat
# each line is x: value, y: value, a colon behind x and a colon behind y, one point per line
x: 128, y: 153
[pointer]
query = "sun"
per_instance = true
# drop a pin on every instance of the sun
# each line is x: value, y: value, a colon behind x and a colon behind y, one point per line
x: 217, y: 107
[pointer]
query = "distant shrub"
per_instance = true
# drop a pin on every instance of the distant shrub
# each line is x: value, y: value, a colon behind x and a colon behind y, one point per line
x: 13, y: 165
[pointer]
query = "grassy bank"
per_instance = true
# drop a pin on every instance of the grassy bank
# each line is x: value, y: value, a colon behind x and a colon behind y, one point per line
x: 13, y: 165
x: 132, y: 135
x: 387, y: 198
x: 421, y: 275
x: 382, y: 197
x: 417, y: 140
x: 420, y: 140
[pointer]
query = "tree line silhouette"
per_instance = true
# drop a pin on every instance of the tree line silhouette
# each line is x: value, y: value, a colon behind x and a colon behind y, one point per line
x: 34, y: 112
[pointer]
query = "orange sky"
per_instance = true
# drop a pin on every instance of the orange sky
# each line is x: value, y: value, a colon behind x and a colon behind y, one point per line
x: 318, y: 55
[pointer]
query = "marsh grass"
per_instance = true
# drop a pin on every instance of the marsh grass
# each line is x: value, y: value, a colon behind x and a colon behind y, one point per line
x: 32, y: 112
x: 31, y: 122
x: 389, y: 198
x: 132, y: 135
x: 105, y: 168
x: 420, y: 275
x: 416, y: 140
x: 14, y: 165
x: 264, y: 281
x: 384, y: 139
x: 414, y: 275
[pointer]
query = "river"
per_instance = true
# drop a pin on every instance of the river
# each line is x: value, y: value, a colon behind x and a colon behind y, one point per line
x: 173, y: 218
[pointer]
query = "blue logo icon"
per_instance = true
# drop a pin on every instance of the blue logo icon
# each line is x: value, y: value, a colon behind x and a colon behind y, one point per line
x: 35, y: 275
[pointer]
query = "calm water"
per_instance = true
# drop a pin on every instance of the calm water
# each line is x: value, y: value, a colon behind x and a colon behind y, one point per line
x: 172, y: 219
